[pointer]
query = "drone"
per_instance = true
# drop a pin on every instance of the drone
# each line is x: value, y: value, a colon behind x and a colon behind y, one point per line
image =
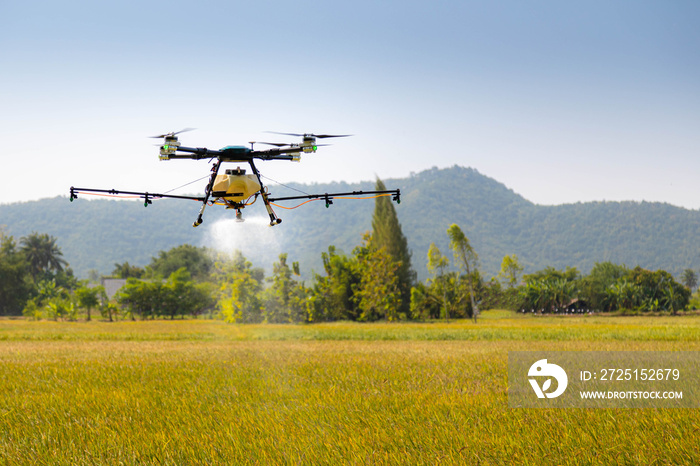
x: 235, y: 189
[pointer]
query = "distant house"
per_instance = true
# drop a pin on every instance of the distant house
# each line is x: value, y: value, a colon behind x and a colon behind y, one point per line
x: 112, y: 285
x: 576, y: 305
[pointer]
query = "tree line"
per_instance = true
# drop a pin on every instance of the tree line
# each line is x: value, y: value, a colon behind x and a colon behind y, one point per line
x: 34, y: 274
x: 374, y: 282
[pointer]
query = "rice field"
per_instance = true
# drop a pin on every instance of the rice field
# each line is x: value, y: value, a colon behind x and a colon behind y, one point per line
x: 205, y: 392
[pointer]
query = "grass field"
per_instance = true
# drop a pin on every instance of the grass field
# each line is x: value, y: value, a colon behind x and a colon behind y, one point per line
x: 204, y: 392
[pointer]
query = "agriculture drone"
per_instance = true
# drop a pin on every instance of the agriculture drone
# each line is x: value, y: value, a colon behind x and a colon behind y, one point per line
x: 235, y: 189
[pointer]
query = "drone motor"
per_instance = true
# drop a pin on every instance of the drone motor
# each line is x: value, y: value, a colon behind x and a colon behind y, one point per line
x: 169, y: 147
x: 308, y: 144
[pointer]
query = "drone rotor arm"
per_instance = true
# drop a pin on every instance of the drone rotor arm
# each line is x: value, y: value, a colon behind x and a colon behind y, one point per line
x: 328, y: 197
x: 196, y: 153
x: 145, y: 195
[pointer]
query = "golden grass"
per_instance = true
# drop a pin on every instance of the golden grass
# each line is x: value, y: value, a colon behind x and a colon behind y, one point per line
x: 494, y: 325
x: 202, y: 392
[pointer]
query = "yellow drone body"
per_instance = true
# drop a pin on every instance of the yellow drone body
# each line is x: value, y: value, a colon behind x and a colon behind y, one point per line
x: 235, y: 186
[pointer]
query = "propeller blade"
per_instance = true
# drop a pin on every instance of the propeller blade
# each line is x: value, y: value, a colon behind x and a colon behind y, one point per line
x: 285, y: 134
x: 320, y: 136
x: 286, y: 144
x: 277, y: 144
x: 323, y: 136
x: 173, y: 133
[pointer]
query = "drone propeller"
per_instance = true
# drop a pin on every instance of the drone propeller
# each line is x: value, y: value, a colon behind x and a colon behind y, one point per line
x: 173, y: 133
x: 283, y: 144
x: 276, y: 144
x: 319, y: 136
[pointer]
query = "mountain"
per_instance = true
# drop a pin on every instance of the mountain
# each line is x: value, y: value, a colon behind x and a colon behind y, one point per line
x: 96, y: 234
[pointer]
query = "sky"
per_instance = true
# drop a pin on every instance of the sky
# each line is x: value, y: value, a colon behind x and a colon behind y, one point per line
x: 561, y: 101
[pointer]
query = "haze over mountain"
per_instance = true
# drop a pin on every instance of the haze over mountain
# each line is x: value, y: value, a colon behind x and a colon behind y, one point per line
x: 97, y: 233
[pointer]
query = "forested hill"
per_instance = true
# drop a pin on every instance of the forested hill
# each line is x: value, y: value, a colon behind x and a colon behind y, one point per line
x: 96, y: 234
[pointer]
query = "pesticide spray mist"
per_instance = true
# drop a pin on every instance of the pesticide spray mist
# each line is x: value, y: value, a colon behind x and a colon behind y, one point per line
x: 254, y: 238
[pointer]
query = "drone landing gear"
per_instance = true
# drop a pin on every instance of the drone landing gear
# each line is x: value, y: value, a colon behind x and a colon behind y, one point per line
x: 207, y: 192
x: 274, y: 220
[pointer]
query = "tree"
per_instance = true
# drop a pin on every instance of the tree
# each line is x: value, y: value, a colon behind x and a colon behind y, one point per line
x: 48, y: 289
x: 178, y: 295
x: 658, y: 289
x: 689, y: 279
x: 127, y: 270
x: 240, y: 285
x: 623, y: 294
x: 550, y: 273
x: 510, y: 269
x: 647, y: 291
x: 332, y: 295
x: 276, y: 301
x: 109, y: 311
x: 138, y: 297
x: 437, y: 263
x: 671, y: 301
x: 89, y: 297
x: 197, y: 261
x: 424, y: 303
x: 387, y: 234
x: 15, y: 279
x: 378, y: 294
x: 596, y: 286
x: 467, y: 259
x: 93, y: 276
x: 42, y: 253
x: 495, y: 295
x: 285, y: 299
x: 60, y: 308
x: 550, y: 290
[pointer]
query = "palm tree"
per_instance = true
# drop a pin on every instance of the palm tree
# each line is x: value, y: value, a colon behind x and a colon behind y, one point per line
x: 670, y: 298
x: 467, y: 259
x: 42, y: 253
x: 437, y: 263
x: 623, y: 294
x: 689, y: 279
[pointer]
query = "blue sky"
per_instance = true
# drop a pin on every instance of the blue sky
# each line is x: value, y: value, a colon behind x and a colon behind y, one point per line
x: 561, y: 101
